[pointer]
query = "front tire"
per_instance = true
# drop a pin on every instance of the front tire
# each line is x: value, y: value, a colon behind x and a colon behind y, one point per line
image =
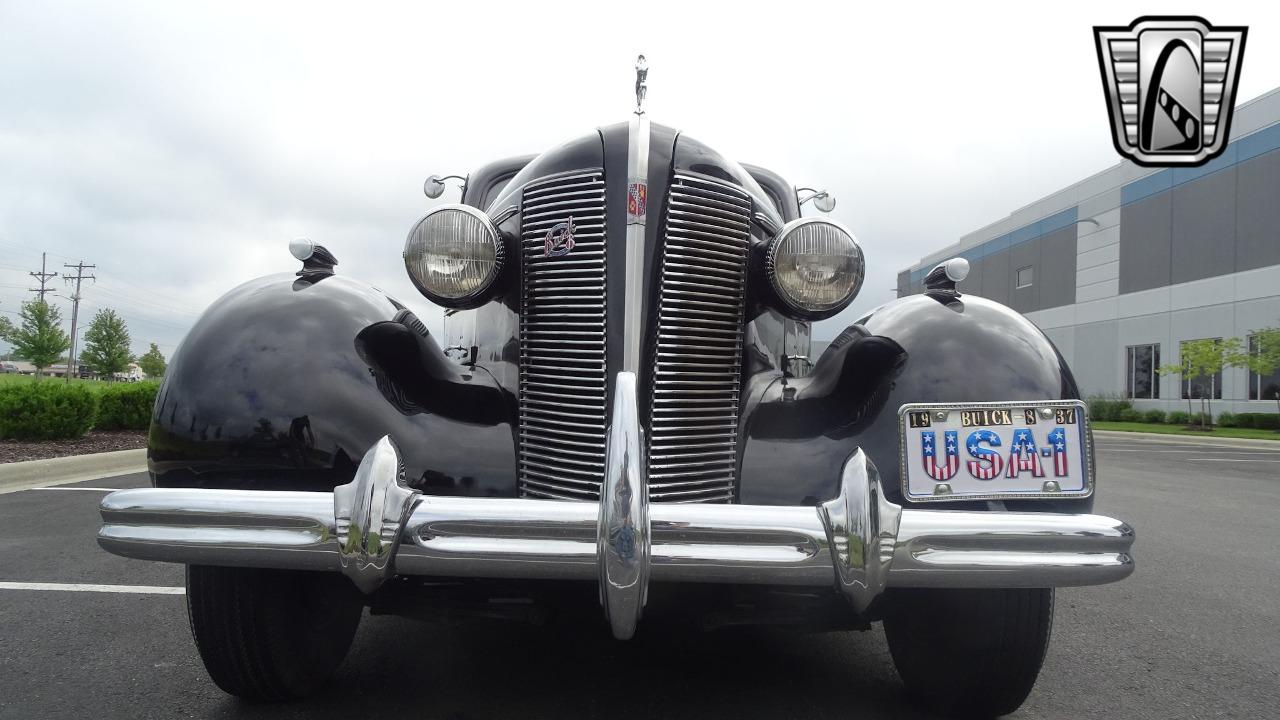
x: 271, y: 634
x: 971, y: 653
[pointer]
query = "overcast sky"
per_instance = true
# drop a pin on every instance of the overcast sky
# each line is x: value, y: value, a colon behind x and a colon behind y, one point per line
x: 180, y: 148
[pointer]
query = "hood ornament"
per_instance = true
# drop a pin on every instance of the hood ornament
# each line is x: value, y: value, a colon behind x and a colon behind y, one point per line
x: 642, y: 72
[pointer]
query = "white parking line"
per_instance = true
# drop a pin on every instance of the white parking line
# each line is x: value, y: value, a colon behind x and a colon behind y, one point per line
x: 1114, y: 440
x: 1201, y: 450
x: 1207, y: 459
x: 77, y: 488
x: 80, y: 587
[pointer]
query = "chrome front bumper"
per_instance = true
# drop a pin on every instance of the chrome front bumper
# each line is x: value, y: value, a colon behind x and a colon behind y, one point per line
x: 374, y: 527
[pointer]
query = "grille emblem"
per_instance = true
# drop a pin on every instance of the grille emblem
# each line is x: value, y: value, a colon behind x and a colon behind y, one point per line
x: 559, y: 239
x: 637, y: 200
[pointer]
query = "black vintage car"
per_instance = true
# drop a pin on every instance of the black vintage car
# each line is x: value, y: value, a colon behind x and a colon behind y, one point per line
x: 631, y: 421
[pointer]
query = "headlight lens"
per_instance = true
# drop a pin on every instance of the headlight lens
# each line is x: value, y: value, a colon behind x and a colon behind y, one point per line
x: 453, y: 255
x: 816, y: 267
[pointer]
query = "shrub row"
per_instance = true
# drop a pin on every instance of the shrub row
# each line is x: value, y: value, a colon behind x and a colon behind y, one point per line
x: 51, y: 410
x: 126, y: 407
x: 1110, y: 409
x: 1262, y: 421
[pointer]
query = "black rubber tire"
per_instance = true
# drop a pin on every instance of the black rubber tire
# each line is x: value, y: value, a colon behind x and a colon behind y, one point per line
x: 969, y: 653
x: 271, y: 634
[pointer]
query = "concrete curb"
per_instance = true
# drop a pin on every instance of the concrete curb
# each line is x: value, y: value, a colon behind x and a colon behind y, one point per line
x: 73, y: 469
x: 1162, y: 438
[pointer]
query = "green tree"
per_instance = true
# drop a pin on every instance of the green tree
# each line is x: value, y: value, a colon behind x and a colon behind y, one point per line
x: 6, y: 329
x: 1265, y: 357
x: 1205, y: 359
x: 40, y: 339
x: 152, y: 362
x: 106, y: 343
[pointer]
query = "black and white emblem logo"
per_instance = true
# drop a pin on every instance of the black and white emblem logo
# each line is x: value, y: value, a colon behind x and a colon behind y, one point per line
x: 1170, y: 84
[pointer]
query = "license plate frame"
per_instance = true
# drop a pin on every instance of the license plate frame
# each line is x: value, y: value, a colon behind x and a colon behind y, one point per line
x: 919, y: 487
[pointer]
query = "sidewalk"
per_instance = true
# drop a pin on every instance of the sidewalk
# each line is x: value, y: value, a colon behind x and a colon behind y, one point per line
x: 73, y: 469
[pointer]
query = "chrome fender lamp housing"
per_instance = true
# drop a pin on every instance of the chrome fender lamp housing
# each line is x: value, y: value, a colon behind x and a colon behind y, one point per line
x: 454, y: 256
x: 815, y: 268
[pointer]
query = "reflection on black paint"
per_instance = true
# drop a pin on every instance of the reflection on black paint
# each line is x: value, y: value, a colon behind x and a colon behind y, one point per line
x: 415, y: 376
x: 847, y: 389
x: 951, y: 350
x: 269, y: 391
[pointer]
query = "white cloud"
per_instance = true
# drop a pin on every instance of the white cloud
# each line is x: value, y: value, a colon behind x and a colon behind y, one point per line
x: 180, y: 147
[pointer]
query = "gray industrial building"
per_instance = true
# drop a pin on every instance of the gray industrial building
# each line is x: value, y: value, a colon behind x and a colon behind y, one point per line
x: 1121, y: 268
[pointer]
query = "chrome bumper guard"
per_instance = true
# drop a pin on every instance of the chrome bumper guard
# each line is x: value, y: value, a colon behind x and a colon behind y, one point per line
x: 375, y: 527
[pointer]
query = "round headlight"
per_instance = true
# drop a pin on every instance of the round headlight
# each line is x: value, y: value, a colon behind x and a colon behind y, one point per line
x: 816, y: 267
x: 454, y: 255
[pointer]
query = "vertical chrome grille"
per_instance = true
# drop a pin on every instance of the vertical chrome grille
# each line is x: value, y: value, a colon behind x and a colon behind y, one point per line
x: 562, y: 345
x: 698, y: 352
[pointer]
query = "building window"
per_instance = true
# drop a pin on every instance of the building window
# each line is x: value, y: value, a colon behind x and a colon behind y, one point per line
x: 1023, y: 277
x: 1142, y: 381
x: 1205, y: 386
x: 1262, y: 387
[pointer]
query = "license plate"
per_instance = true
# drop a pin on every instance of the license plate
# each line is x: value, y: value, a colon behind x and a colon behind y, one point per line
x: 970, y: 451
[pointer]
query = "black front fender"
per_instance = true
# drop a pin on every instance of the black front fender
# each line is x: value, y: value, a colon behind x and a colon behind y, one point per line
x: 923, y: 348
x: 285, y: 383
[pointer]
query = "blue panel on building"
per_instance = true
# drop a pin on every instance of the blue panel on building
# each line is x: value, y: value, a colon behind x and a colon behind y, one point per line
x: 1264, y: 140
x: 1146, y: 187
x: 1026, y: 233
x: 1059, y: 220
x: 1237, y: 151
x: 1222, y: 162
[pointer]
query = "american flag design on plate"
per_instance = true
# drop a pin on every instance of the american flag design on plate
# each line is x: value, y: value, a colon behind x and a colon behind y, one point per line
x: 995, y: 450
x: 950, y: 465
x: 1024, y: 455
x: 1058, y: 439
x: 987, y: 462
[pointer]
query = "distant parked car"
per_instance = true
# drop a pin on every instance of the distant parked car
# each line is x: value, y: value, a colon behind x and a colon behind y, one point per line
x: 9, y: 368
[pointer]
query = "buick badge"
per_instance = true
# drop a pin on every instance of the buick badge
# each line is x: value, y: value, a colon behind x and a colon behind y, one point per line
x: 559, y: 239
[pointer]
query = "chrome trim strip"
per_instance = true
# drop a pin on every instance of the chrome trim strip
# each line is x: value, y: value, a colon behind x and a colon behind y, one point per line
x: 633, y: 297
x: 623, y: 549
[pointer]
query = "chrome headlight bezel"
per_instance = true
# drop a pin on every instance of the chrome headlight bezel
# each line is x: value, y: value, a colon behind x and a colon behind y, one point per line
x: 795, y: 307
x: 482, y: 292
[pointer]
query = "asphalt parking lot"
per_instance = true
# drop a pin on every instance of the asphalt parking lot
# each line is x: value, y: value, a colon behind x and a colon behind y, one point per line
x: 1192, y: 634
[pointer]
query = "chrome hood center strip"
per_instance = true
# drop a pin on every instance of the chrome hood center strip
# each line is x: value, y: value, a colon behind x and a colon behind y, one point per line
x: 637, y: 216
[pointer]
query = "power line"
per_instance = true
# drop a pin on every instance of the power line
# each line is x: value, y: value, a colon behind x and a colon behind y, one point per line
x: 80, y: 267
x: 169, y: 299
x: 43, y: 278
x: 141, y: 318
x: 146, y: 303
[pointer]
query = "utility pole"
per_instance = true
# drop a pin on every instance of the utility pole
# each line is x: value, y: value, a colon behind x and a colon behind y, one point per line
x: 43, y: 278
x: 80, y: 267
